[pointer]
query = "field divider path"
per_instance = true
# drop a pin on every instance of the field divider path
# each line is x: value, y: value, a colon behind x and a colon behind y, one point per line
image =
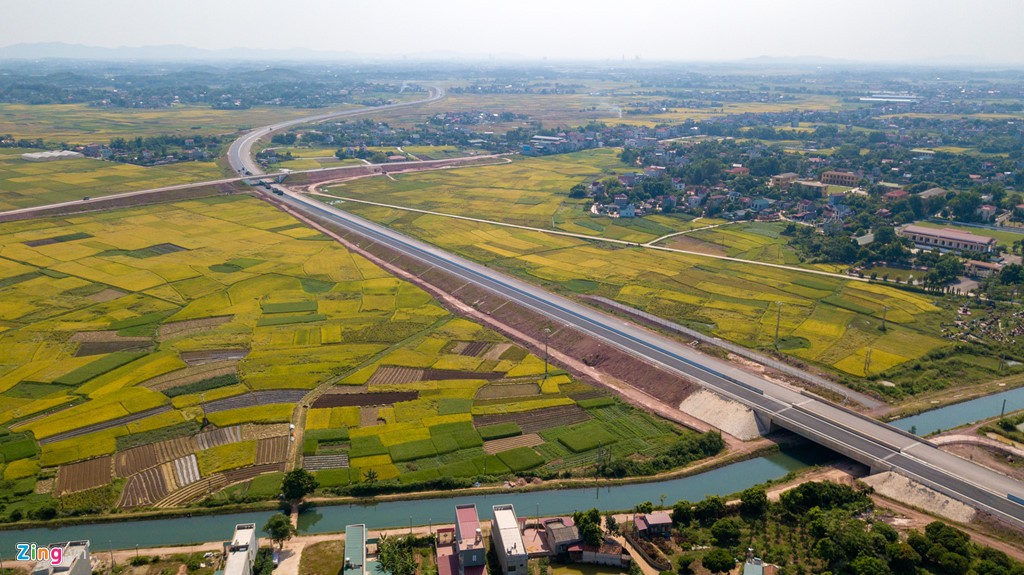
x: 313, y: 192
x: 690, y: 231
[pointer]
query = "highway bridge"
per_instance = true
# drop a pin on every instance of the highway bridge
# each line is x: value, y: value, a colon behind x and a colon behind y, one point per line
x: 875, y: 444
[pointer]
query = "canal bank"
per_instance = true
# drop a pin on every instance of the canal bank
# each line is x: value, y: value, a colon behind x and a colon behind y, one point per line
x: 725, y: 480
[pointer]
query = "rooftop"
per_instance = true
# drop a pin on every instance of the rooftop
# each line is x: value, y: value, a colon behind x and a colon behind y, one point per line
x: 948, y: 233
x: 506, y: 523
x: 468, y: 524
x: 355, y: 549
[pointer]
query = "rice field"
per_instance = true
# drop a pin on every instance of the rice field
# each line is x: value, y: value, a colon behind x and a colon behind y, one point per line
x: 232, y: 329
x: 529, y: 192
x: 25, y: 184
x: 83, y: 124
x: 828, y: 321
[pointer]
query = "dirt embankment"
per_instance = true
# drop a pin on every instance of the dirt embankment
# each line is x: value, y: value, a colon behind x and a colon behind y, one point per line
x: 899, y: 488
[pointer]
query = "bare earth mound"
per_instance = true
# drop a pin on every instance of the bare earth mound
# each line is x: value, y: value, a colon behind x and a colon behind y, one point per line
x: 899, y: 488
x: 729, y: 416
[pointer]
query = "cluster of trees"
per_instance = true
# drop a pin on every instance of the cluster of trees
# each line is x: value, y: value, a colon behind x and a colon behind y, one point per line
x: 686, y: 449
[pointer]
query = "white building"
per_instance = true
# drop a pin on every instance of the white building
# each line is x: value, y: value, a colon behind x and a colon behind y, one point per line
x: 74, y: 560
x: 240, y: 554
x: 508, y: 540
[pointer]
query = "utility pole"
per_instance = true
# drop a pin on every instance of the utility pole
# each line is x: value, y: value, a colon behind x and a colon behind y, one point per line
x: 778, y: 320
x: 1002, y: 412
x: 547, y: 335
x: 867, y: 362
x: 885, y: 311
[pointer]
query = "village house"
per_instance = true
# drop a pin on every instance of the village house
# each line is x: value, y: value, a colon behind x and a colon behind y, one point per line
x: 947, y: 239
x: 650, y: 525
x: 835, y: 178
x: 507, y: 539
x: 783, y: 181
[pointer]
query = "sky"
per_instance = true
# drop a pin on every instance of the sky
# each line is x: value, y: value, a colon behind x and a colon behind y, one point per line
x: 891, y: 31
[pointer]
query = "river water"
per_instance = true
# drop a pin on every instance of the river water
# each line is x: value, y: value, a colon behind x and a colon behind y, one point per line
x: 183, y: 530
x: 963, y: 413
x: 723, y: 481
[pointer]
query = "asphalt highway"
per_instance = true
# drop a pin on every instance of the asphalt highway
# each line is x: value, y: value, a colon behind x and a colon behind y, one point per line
x: 873, y: 443
x: 863, y: 439
x: 240, y: 153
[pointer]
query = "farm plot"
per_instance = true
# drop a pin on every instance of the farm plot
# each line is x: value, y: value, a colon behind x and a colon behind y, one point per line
x: 250, y: 472
x: 213, y: 355
x: 363, y: 399
x: 83, y: 475
x: 470, y: 348
x: 536, y: 420
x: 217, y: 437
x: 499, y: 445
x: 392, y: 375
x: 255, y: 399
x: 728, y: 299
x: 321, y: 462
x: 272, y: 450
x: 409, y: 374
x: 144, y: 488
x: 186, y: 470
x: 503, y: 390
x: 191, y: 326
x: 104, y: 425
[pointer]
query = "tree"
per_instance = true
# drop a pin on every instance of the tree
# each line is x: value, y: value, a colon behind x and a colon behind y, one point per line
x: 280, y: 529
x: 610, y: 523
x: 682, y: 513
x: 709, y: 510
x: 684, y: 565
x: 718, y: 561
x: 589, y: 524
x: 395, y: 555
x: 726, y: 532
x: 867, y: 565
x: 370, y: 476
x: 297, y: 484
x: 754, y: 502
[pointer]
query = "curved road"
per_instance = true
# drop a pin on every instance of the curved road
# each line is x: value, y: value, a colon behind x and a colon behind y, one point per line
x: 871, y: 442
x: 240, y: 155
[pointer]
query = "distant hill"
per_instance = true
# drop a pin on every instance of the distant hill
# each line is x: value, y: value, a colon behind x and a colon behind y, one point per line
x: 170, y: 52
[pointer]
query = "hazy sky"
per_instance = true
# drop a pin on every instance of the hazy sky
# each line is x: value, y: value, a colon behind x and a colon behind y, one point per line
x: 871, y: 30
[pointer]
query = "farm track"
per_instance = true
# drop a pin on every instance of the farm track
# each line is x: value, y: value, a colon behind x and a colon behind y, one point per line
x: 105, y: 425
x: 507, y: 443
x: 83, y: 475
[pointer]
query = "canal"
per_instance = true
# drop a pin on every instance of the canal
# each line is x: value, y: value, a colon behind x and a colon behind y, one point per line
x: 184, y: 530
